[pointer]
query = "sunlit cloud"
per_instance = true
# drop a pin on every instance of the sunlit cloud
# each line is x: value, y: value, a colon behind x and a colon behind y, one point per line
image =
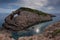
x: 30, y: 3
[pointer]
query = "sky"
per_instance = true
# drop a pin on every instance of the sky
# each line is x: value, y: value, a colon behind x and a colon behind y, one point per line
x: 49, y: 6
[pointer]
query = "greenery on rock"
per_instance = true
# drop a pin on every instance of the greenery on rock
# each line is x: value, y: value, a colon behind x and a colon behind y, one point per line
x: 33, y: 10
x: 56, y: 32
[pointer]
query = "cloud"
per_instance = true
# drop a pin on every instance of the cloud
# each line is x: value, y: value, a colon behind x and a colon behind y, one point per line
x: 38, y: 4
x: 2, y: 10
x: 30, y: 3
x: 44, y: 5
x: 54, y: 2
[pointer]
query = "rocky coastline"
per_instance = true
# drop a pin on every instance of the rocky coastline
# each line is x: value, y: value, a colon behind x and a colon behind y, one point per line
x: 22, y: 19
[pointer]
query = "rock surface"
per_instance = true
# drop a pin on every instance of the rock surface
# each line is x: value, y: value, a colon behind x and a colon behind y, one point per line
x: 52, y: 32
x: 53, y: 28
x: 5, y: 35
x: 24, y: 18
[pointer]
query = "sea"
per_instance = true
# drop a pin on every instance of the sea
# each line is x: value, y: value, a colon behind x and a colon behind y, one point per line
x: 34, y: 30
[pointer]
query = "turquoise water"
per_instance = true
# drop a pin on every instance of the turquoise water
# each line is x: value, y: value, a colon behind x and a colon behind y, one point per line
x: 36, y: 29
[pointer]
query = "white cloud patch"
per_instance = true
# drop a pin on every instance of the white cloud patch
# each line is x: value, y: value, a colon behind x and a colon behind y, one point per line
x: 35, y: 4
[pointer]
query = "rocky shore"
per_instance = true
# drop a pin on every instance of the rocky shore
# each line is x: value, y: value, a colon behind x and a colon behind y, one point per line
x: 5, y: 34
x: 22, y: 19
x: 52, y: 32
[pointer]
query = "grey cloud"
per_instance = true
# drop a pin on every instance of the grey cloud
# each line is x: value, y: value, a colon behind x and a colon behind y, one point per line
x: 53, y: 3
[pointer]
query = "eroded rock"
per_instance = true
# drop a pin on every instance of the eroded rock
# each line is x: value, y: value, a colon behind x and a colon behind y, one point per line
x: 22, y: 19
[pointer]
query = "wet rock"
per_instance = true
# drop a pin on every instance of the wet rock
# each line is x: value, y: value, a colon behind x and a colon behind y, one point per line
x: 35, y: 37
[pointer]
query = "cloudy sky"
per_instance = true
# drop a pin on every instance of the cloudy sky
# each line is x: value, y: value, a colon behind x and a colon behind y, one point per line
x: 49, y: 6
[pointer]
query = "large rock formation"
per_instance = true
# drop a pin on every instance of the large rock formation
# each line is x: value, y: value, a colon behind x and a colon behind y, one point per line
x: 24, y: 18
x: 52, y: 32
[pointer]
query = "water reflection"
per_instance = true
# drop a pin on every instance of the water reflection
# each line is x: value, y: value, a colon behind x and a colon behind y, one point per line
x: 37, y: 30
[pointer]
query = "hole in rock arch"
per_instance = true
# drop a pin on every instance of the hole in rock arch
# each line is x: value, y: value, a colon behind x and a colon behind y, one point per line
x: 15, y: 15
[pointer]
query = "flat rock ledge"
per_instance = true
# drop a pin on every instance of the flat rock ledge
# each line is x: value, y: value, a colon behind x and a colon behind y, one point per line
x: 21, y: 20
x: 52, y: 32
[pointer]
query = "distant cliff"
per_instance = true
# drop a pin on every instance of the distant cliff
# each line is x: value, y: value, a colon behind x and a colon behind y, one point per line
x: 23, y: 18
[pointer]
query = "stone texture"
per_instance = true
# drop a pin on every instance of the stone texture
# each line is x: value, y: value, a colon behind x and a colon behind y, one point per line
x: 5, y: 35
